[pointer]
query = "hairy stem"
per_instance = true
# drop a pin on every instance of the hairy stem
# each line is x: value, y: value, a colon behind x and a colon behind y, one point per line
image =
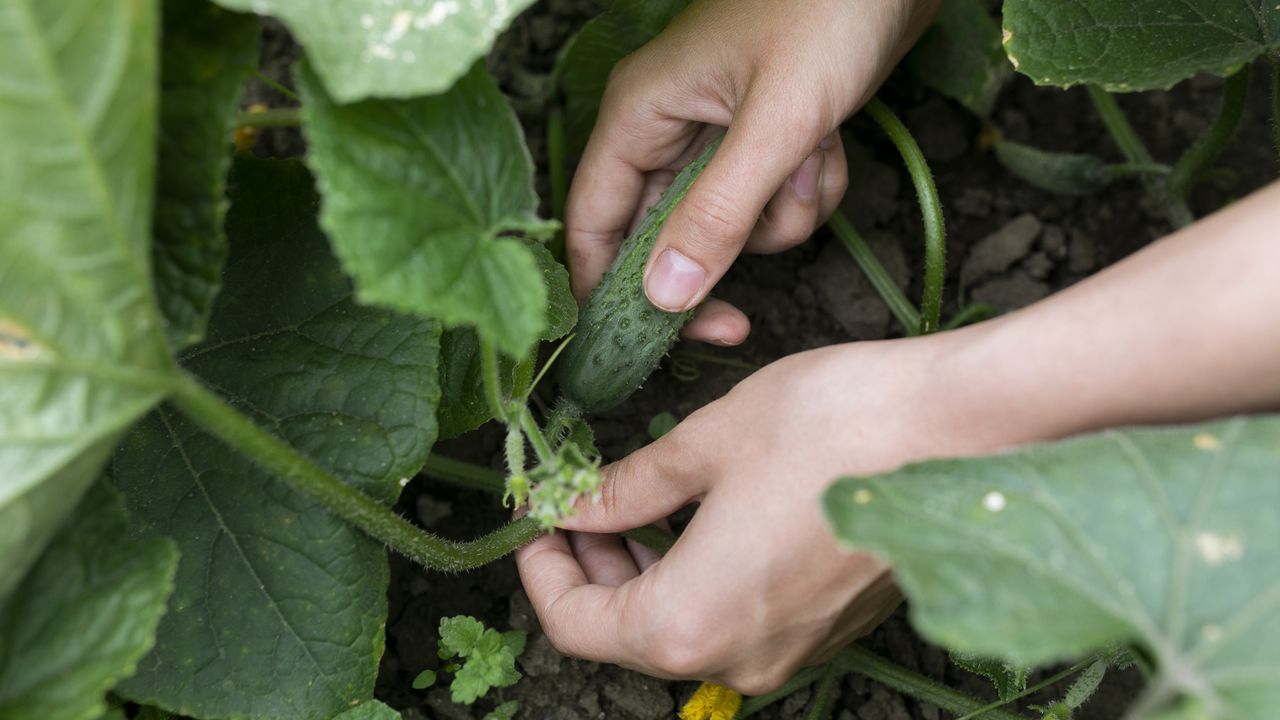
x: 1122, y: 132
x: 224, y: 422
x: 481, y: 478
x: 889, y: 292
x: 1199, y: 156
x: 282, y: 117
x: 534, y: 433
x: 492, y: 382
x: 935, y: 231
x: 856, y: 658
x: 1051, y: 680
x: 824, y: 700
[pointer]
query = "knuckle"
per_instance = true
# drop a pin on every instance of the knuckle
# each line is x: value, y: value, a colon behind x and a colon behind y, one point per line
x: 757, y: 682
x: 716, y: 221
x: 680, y: 658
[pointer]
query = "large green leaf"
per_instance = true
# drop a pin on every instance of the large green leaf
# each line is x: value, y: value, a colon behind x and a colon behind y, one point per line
x: 279, y: 606
x: 417, y: 197
x: 1126, y: 45
x: 463, y: 404
x: 390, y: 48
x: 960, y: 56
x: 207, y: 53
x: 589, y: 57
x: 84, y: 616
x: 372, y: 710
x: 82, y: 351
x: 1168, y: 539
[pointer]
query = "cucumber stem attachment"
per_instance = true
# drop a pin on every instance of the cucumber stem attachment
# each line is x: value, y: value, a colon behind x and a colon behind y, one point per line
x: 935, y: 231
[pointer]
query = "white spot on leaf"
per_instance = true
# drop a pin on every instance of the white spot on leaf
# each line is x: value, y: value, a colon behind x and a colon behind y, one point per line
x: 1218, y: 549
x: 1206, y: 442
x: 861, y: 496
x: 1211, y: 633
x: 994, y: 501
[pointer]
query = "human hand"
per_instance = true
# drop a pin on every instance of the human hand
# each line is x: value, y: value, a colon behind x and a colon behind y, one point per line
x: 756, y: 586
x: 781, y: 77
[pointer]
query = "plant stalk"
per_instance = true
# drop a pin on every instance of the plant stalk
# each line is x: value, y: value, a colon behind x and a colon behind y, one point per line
x: 492, y: 382
x: 889, y: 292
x: 1135, y: 152
x: 825, y: 699
x: 1051, y: 680
x: 1190, y: 169
x: 224, y: 422
x: 856, y: 658
x: 935, y: 231
x: 281, y: 117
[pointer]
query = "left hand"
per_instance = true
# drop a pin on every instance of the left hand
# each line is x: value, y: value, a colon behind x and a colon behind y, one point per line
x: 756, y: 587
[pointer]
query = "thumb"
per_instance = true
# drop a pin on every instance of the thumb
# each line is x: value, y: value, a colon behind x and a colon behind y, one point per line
x: 710, y: 226
x: 639, y: 489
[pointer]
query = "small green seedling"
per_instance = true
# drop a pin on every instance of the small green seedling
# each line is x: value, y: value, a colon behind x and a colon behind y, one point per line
x: 481, y: 658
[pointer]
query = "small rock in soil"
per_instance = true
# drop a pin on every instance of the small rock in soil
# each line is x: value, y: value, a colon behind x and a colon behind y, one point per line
x: 846, y: 294
x: 1038, y: 265
x: 640, y: 697
x: 440, y: 700
x: 998, y: 251
x: 974, y: 201
x: 872, y: 197
x: 794, y: 705
x: 941, y: 132
x: 1053, y: 239
x: 432, y: 511
x: 1017, y: 290
x: 1083, y: 253
x: 884, y: 705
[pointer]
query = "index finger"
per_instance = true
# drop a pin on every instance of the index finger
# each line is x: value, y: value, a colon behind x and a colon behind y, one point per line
x: 580, y: 619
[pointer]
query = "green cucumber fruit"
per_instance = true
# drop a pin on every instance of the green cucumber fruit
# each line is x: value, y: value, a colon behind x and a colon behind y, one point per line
x: 621, y: 337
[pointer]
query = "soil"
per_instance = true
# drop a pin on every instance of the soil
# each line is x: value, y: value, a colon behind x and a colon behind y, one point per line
x: 1008, y: 245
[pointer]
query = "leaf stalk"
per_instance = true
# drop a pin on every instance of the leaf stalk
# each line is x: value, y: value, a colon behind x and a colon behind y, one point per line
x: 1199, y: 156
x: 935, y: 232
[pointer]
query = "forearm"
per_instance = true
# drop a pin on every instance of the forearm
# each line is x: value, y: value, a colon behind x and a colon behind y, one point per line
x: 1186, y: 329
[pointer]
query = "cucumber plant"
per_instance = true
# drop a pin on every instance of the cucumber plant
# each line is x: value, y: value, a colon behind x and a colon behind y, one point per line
x: 218, y: 373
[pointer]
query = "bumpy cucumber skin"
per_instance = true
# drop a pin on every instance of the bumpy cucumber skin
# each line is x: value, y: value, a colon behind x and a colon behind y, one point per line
x: 621, y: 337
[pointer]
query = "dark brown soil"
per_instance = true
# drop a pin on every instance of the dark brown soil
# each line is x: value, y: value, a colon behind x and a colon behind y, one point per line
x: 1008, y: 245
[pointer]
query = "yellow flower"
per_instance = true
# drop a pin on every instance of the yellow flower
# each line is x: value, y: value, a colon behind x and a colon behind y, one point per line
x: 712, y: 702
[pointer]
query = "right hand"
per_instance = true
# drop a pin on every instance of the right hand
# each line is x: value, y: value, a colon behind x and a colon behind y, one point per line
x: 781, y: 77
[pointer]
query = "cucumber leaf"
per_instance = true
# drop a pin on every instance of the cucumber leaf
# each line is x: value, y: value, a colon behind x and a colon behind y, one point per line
x: 463, y: 404
x: 1166, y: 539
x: 84, y: 615
x: 82, y: 348
x: 419, y: 197
x: 589, y: 57
x: 961, y: 57
x: 1126, y: 45
x: 206, y: 54
x: 280, y: 605
x: 390, y: 48
x: 372, y: 710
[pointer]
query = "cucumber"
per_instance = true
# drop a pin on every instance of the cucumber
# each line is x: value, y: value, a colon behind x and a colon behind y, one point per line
x: 621, y: 337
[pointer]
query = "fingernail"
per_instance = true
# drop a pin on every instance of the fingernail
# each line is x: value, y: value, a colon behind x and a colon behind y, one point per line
x: 805, y: 179
x: 830, y: 140
x: 674, y: 281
